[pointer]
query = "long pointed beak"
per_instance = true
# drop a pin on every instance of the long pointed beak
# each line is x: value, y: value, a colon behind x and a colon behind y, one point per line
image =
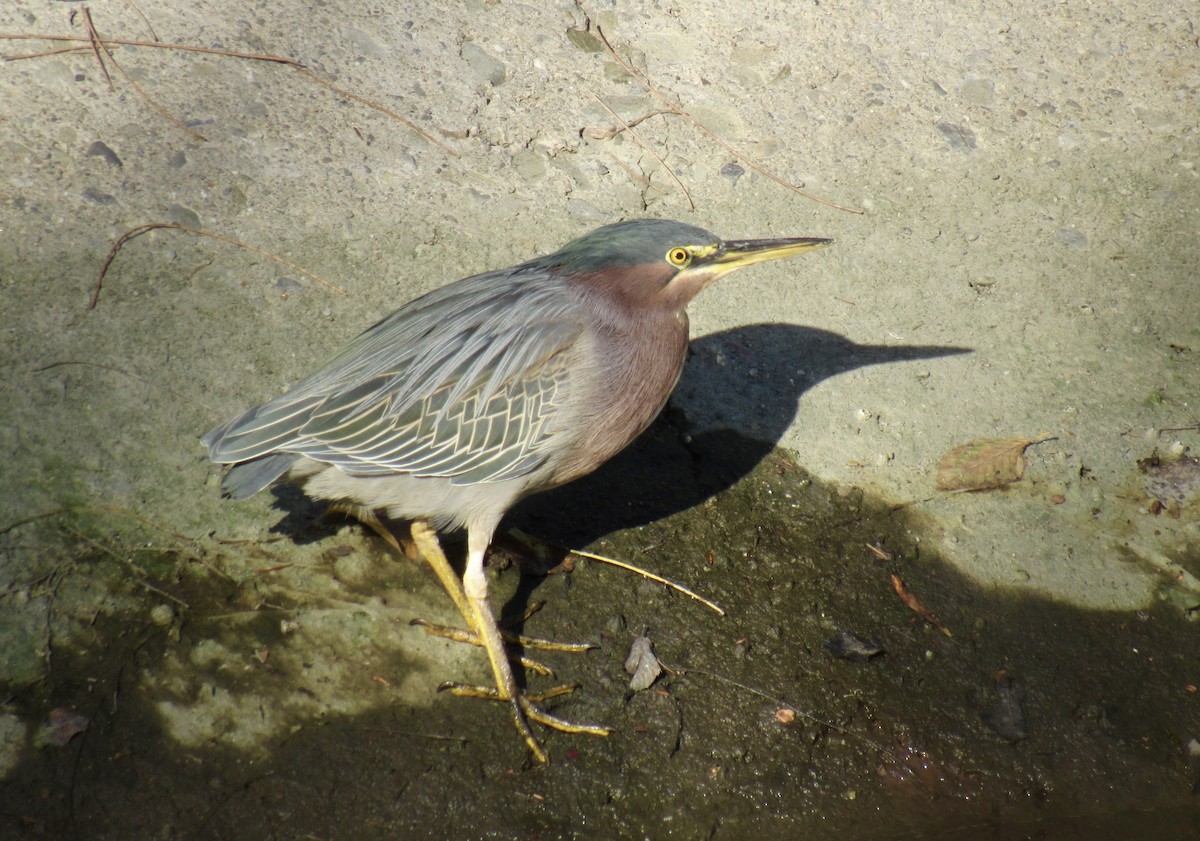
x: 738, y: 253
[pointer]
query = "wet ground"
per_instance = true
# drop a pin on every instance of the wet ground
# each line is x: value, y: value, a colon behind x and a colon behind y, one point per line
x: 207, y: 689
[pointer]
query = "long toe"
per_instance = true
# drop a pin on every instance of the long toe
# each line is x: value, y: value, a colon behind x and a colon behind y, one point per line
x: 536, y: 713
x: 491, y: 693
x: 528, y: 703
x: 460, y: 635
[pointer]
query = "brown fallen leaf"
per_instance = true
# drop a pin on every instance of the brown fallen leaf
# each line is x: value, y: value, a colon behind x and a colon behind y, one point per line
x: 985, y: 463
x: 60, y: 727
x: 914, y: 604
x: 1172, y: 484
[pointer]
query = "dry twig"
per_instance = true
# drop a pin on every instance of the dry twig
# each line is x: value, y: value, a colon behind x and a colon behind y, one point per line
x: 272, y: 59
x: 141, y: 229
x: 178, y: 395
x: 94, y: 40
x: 651, y: 576
x: 145, y: 20
x: 629, y: 127
x: 98, y: 45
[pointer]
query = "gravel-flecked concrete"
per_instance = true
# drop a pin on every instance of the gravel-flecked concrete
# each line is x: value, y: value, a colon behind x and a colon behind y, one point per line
x: 1026, y: 176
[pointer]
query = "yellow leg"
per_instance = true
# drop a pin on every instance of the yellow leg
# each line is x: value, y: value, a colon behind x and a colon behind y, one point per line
x: 483, y: 623
x: 441, y: 567
x: 453, y: 586
x: 450, y: 581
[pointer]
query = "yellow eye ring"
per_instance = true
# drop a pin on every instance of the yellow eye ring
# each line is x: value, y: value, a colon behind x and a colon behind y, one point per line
x: 679, y: 256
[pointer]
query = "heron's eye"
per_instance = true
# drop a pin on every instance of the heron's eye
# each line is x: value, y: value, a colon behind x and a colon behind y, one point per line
x: 679, y: 256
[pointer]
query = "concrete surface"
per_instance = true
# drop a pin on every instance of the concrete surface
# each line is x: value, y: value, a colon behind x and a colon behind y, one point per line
x: 1026, y: 174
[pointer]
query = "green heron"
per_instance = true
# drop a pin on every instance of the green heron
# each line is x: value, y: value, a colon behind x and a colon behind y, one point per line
x: 456, y: 406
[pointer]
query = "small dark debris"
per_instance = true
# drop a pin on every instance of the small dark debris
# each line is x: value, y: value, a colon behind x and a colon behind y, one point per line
x: 62, y: 725
x: 1006, y: 718
x: 957, y: 136
x: 847, y: 646
x: 1174, y: 484
x: 532, y: 557
x: 98, y: 196
x: 100, y: 149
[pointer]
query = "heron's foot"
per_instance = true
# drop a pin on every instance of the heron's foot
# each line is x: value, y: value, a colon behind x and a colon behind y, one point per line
x: 471, y: 638
x: 461, y: 635
x: 491, y: 693
x: 528, y: 703
x: 470, y: 595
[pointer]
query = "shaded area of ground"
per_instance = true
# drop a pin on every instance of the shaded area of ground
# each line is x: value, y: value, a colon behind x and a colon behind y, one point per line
x: 1032, y: 720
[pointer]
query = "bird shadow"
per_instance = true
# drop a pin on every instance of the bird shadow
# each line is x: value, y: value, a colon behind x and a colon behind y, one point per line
x: 738, y: 395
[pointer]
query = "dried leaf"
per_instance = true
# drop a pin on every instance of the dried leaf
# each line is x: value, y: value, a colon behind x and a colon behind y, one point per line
x: 985, y: 463
x: 1006, y: 716
x: 914, y: 604
x: 1173, y: 484
x: 60, y: 727
x: 642, y: 665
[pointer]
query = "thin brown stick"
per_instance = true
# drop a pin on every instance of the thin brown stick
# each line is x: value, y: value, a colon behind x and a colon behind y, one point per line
x: 648, y: 148
x: 145, y: 20
x: 637, y: 176
x: 166, y: 115
x: 45, y: 53
x: 132, y: 515
x: 125, y: 42
x: 94, y: 40
x: 121, y: 559
x: 33, y: 518
x: 273, y: 59
x: 370, y: 104
x: 675, y: 108
x: 612, y: 131
x: 141, y: 229
x: 176, y: 394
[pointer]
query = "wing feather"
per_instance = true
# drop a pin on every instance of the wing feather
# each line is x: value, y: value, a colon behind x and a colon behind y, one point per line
x: 463, y: 383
